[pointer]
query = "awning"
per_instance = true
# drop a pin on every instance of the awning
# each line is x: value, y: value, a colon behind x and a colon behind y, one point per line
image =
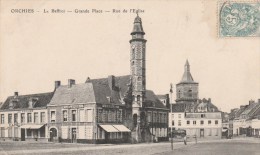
x: 32, y: 126
x: 109, y: 128
x: 122, y: 128
x: 224, y: 130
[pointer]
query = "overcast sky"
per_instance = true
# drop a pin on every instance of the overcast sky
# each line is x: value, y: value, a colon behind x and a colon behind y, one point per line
x: 38, y: 48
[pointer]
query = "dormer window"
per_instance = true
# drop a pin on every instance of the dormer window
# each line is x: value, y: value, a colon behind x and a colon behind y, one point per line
x: 109, y: 99
x: 32, y: 102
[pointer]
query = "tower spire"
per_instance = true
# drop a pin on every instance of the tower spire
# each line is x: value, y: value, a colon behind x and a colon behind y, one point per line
x: 187, y: 77
x: 138, y: 28
x: 187, y: 66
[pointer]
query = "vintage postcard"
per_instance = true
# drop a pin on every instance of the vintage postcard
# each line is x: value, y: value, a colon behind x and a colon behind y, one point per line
x: 129, y: 77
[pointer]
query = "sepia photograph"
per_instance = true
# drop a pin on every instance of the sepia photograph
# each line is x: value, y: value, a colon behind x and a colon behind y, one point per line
x: 153, y: 77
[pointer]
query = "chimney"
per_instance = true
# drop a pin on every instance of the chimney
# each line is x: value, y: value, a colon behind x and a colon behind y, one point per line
x: 88, y: 79
x: 111, y: 82
x: 259, y: 100
x: 57, y: 84
x: 251, y: 102
x: 71, y: 82
x: 209, y: 100
x: 15, y: 94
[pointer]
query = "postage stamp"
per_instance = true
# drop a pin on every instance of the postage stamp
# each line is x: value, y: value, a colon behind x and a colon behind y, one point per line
x: 239, y: 19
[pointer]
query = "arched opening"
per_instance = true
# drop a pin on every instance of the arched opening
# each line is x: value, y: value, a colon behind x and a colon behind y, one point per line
x: 53, y: 134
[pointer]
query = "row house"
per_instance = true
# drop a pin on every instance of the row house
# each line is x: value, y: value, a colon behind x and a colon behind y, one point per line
x: 202, y: 120
x: 25, y: 117
x: 246, y: 120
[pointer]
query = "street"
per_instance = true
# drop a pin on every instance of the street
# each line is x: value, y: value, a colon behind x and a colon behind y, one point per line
x: 211, y: 147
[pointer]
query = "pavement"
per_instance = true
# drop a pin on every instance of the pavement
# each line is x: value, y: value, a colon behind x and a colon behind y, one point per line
x: 209, y: 147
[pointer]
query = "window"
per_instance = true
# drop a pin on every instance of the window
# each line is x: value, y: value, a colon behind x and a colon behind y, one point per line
x: 9, y: 118
x: 42, y: 117
x: 172, y: 122
x: 65, y: 115
x: 209, y: 121
x: 165, y: 118
x: 202, y: 115
x: 109, y: 115
x: 216, y: 121
x: 2, y: 118
x: 190, y: 93
x: 73, y: 115
x: 201, y: 122
x: 138, y: 97
x: 120, y: 119
x: 179, y: 115
x: 99, y: 115
x: 179, y: 122
x: 36, y: 119
x: 188, y: 122
x: 81, y: 115
x: 179, y: 94
x: 149, y: 117
x: 15, y: 118
x: 154, y: 117
x: 89, y: 115
x: 172, y: 116
x: 29, y: 117
x: 53, y: 116
x: 194, y: 122
x: 22, y: 118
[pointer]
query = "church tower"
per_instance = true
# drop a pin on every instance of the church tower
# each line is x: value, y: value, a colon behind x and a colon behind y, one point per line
x: 187, y: 90
x: 137, y: 60
x: 137, y: 63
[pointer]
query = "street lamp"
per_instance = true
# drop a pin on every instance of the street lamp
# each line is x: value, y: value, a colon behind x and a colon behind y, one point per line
x: 171, y: 91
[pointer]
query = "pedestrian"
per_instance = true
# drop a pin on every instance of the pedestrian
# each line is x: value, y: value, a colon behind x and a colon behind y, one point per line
x: 195, y: 139
x: 185, y: 139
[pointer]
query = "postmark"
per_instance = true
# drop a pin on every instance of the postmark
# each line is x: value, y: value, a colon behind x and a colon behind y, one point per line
x: 239, y: 19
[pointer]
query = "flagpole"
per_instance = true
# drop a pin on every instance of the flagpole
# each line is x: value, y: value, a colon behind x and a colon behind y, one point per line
x: 171, y: 115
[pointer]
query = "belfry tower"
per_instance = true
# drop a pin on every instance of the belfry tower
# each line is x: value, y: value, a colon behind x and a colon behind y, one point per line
x: 137, y: 63
x: 187, y: 89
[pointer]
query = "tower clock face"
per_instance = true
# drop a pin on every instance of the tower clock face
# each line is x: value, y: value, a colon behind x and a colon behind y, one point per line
x: 133, y: 46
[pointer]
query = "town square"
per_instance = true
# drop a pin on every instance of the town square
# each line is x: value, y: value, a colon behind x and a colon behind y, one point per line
x: 119, y: 81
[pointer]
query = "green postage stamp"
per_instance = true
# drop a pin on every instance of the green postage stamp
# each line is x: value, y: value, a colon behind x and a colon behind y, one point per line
x: 239, y: 19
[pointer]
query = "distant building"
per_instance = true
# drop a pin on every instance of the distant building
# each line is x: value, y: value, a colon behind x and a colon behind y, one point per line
x: 199, y: 118
x: 246, y: 122
x: 24, y: 117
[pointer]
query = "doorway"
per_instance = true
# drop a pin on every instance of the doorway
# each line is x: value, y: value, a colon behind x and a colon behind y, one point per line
x: 201, y: 132
x: 22, y: 134
x: 74, y: 135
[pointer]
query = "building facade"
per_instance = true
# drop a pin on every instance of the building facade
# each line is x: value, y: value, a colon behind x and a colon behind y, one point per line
x: 198, y: 117
x: 246, y: 120
x: 24, y: 118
